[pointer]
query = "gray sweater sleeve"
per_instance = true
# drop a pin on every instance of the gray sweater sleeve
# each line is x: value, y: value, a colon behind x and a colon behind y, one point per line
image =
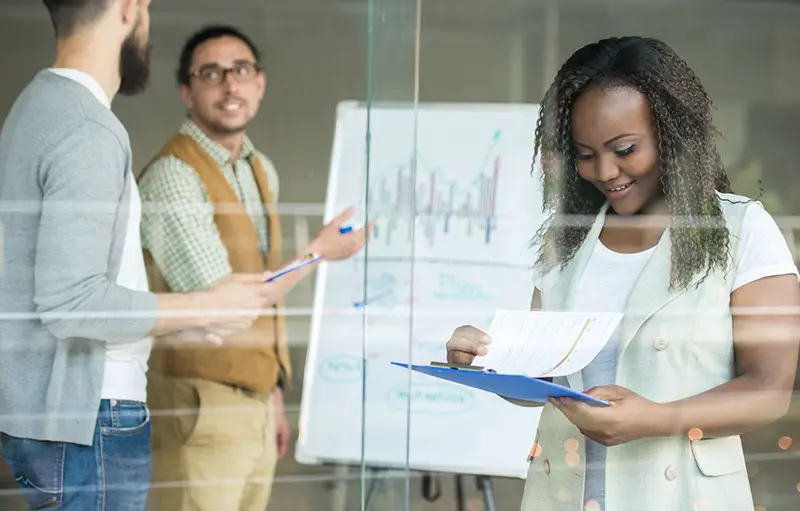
x: 83, y: 182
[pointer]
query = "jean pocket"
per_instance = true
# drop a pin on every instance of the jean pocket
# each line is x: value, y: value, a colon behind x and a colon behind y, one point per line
x: 118, y: 417
x: 38, y: 469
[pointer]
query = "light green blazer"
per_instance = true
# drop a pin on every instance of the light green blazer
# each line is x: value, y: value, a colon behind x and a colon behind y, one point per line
x: 673, y: 345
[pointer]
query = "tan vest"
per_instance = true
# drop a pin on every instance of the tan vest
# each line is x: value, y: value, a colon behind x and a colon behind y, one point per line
x: 252, y: 359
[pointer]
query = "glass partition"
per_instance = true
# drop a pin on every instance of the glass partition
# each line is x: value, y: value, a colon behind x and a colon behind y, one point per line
x: 421, y: 114
x: 389, y: 315
x: 354, y: 406
x: 476, y: 58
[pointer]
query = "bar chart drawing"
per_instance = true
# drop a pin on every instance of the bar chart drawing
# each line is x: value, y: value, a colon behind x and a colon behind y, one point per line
x: 440, y: 204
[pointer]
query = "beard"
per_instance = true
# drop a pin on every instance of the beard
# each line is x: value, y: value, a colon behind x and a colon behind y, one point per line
x: 134, y: 65
x: 219, y: 128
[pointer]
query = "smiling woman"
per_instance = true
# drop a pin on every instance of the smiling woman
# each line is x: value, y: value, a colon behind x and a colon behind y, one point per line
x: 627, y: 128
x: 643, y: 222
x: 616, y: 148
x: 635, y: 122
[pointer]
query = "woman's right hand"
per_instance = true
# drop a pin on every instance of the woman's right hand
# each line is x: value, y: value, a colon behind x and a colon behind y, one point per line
x: 466, y: 343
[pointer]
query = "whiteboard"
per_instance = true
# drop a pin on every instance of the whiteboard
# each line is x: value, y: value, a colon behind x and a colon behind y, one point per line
x: 450, y: 247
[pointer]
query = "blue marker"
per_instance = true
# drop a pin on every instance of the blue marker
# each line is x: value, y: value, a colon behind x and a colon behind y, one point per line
x: 346, y: 230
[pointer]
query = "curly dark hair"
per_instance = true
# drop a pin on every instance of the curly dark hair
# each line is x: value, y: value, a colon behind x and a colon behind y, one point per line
x: 692, y: 170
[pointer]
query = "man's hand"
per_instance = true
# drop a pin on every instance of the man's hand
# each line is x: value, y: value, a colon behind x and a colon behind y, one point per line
x: 233, y: 304
x: 630, y: 416
x: 283, y: 433
x: 333, y: 245
x: 466, y: 343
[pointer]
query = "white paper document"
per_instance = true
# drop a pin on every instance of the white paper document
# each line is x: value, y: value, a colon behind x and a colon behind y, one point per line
x: 546, y: 344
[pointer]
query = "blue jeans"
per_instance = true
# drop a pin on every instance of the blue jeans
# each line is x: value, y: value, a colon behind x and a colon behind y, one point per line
x: 113, y: 474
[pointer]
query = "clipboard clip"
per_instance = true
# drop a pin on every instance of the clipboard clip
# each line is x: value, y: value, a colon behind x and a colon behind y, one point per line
x: 462, y: 367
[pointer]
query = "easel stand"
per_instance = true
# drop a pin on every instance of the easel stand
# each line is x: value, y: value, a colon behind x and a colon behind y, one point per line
x: 431, y: 489
x: 375, y: 486
x: 484, y: 484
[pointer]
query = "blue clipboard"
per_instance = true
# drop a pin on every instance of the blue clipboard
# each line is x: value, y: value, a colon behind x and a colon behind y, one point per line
x: 512, y: 386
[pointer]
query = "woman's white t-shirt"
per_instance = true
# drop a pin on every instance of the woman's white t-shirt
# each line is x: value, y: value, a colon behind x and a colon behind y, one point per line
x: 609, y: 279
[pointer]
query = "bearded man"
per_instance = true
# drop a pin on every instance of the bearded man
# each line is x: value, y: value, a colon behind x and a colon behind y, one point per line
x: 76, y: 316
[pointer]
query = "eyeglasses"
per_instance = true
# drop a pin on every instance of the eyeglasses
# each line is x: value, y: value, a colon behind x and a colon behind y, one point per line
x: 212, y: 74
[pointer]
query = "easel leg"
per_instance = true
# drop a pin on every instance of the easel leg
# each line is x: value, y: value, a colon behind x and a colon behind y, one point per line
x: 339, y: 497
x: 375, y: 484
x: 461, y: 504
x: 485, y: 485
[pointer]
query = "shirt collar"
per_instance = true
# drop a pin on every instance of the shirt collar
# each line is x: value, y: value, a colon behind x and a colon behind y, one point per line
x: 86, y: 80
x: 219, y: 154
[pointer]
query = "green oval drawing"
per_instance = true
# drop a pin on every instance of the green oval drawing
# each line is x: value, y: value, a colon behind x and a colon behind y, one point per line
x: 341, y: 368
x: 431, y: 399
x: 451, y: 287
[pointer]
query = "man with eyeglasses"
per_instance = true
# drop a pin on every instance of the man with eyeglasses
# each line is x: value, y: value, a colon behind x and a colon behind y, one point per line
x: 219, y: 425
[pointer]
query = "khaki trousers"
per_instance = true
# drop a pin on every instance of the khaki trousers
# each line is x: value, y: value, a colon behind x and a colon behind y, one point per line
x: 213, y: 446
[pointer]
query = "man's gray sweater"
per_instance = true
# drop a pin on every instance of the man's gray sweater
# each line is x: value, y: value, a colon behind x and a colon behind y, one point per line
x: 65, y: 183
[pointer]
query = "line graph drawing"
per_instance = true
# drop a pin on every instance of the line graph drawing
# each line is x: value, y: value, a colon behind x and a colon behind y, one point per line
x: 437, y: 201
x: 385, y: 291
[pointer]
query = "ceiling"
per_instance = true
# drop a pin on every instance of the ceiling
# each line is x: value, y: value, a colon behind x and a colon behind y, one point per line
x: 490, y: 13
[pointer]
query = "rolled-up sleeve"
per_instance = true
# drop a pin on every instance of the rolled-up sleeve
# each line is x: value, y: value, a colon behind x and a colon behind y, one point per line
x: 178, y: 227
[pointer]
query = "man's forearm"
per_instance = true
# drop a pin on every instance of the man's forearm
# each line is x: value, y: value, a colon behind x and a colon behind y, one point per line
x: 180, y: 311
x: 279, y: 287
x: 185, y: 311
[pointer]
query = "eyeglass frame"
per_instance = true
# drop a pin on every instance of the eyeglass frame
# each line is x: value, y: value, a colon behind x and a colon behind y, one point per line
x: 258, y: 68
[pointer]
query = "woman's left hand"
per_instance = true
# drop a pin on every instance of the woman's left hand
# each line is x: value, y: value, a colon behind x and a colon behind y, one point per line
x: 629, y: 416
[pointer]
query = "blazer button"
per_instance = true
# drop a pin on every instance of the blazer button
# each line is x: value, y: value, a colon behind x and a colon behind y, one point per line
x: 660, y: 344
x: 547, y: 467
x: 670, y: 473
